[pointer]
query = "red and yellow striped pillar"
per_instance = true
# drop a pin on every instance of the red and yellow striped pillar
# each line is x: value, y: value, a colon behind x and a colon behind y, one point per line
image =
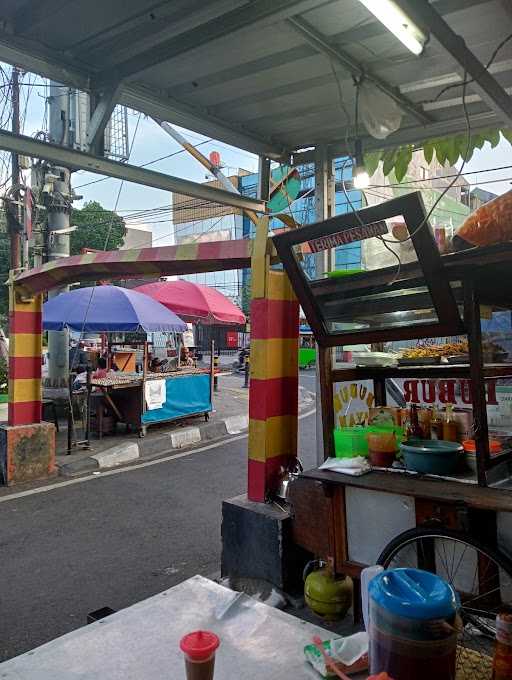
x: 273, y: 393
x: 25, y: 350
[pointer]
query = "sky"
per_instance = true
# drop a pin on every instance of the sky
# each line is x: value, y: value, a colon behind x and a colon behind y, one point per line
x: 148, y: 142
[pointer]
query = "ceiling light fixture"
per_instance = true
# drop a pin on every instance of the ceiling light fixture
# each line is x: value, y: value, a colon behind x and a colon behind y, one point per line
x: 361, y: 179
x: 396, y: 21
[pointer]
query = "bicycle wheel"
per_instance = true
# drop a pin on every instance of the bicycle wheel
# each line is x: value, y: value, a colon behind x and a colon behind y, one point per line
x: 482, y: 576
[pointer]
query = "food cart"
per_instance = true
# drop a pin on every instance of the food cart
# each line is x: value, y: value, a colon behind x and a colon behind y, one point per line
x: 136, y: 398
x: 142, y: 399
x: 459, y: 526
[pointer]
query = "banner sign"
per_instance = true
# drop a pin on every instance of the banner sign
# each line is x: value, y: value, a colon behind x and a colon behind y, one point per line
x: 341, y: 238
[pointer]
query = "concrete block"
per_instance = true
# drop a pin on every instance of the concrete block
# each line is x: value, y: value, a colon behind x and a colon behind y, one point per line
x: 237, y: 424
x: 27, y: 452
x: 155, y: 445
x: 211, y: 431
x: 257, y: 544
x: 185, y: 437
x: 79, y: 467
x: 117, y: 455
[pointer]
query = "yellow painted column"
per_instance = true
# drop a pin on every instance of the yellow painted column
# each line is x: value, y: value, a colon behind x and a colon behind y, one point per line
x: 273, y: 392
x: 25, y: 350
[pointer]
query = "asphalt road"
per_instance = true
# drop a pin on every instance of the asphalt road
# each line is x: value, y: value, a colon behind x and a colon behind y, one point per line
x: 114, y: 540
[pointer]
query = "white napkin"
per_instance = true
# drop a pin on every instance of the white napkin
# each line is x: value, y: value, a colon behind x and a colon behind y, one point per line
x: 348, y: 466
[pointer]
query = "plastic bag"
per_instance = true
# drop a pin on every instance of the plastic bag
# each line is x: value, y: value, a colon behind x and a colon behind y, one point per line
x: 380, y: 114
x: 350, y: 655
x: 490, y: 223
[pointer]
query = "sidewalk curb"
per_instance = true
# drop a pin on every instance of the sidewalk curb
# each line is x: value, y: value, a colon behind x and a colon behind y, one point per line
x: 181, y: 438
x: 152, y: 447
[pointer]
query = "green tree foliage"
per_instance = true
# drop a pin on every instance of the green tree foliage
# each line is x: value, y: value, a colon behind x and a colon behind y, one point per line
x: 98, y: 228
x: 446, y: 150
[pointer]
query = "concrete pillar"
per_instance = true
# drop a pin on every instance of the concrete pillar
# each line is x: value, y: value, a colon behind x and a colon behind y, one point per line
x: 25, y: 349
x: 27, y: 445
x: 273, y: 391
x: 59, y: 210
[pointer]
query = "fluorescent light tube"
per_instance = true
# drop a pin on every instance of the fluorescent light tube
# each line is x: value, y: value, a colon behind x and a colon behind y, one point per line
x: 396, y: 21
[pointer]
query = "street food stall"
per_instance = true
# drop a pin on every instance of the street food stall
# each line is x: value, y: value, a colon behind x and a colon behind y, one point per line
x: 446, y: 506
x: 138, y: 398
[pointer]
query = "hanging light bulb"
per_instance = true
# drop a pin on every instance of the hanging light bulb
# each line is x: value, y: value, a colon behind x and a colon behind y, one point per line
x: 361, y: 179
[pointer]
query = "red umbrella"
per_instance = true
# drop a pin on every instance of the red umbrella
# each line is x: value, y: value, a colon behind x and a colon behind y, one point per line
x: 194, y: 302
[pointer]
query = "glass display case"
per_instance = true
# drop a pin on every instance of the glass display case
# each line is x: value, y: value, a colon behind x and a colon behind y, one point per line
x: 410, y: 319
x: 409, y: 298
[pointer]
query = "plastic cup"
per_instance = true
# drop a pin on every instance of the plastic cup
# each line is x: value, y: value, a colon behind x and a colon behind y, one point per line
x: 199, y: 649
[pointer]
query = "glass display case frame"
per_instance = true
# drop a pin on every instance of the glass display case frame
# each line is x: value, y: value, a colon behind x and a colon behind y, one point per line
x: 427, y: 272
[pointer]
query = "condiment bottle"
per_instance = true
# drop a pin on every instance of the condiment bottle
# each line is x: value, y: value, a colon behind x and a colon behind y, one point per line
x: 502, y: 660
x: 425, y: 418
x: 449, y: 425
x: 440, y: 237
x: 436, y: 424
x: 414, y: 430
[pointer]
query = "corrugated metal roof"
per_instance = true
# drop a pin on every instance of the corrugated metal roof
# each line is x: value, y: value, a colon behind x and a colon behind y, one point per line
x: 249, y: 73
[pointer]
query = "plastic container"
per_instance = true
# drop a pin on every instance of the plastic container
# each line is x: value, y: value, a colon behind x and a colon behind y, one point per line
x: 353, y: 441
x: 367, y: 575
x: 382, y: 448
x: 199, y: 649
x: 435, y: 457
x: 495, y: 447
x: 413, y: 620
x: 350, y: 442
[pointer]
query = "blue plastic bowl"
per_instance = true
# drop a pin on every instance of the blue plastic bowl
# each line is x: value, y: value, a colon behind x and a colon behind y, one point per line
x: 431, y: 457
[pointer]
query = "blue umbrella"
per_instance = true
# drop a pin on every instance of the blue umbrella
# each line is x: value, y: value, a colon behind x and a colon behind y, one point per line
x: 108, y: 309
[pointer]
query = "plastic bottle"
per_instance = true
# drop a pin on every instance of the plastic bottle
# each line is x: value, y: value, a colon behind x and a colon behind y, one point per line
x: 436, y: 424
x: 449, y: 425
x: 502, y: 660
x: 414, y: 430
x: 425, y: 420
x: 366, y: 576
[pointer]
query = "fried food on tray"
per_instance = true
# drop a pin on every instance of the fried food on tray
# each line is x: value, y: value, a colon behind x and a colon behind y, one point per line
x: 434, y: 351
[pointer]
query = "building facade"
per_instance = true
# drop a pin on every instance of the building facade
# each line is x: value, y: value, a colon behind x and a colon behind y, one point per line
x: 196, y: 221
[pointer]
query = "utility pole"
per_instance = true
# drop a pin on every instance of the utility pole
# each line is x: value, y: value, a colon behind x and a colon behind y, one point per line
x: 59, y: 203
x: 15, y: 171
x: 324, y: 208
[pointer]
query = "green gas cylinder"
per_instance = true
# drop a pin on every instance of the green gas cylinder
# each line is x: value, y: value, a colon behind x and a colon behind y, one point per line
x: 327, y: 595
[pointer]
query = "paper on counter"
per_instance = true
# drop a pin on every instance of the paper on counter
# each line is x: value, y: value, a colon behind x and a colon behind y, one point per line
x: 348, y: 466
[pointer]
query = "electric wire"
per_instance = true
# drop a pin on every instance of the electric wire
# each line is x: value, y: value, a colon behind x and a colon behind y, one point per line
x: 471, y: 80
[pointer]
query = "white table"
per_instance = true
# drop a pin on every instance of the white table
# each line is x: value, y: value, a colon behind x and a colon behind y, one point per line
x: 142, y: 641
